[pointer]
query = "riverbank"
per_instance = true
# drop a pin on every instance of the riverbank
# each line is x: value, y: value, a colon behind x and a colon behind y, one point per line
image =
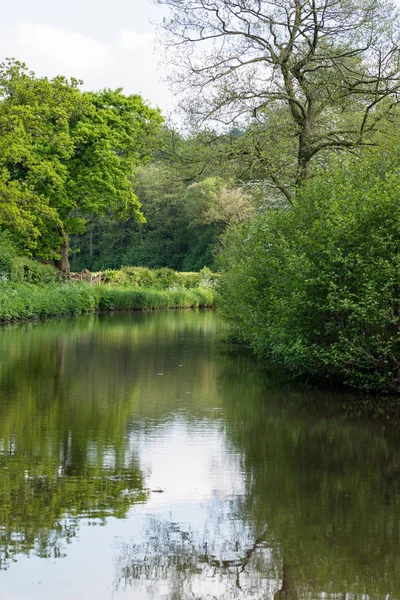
x: 24, y: 301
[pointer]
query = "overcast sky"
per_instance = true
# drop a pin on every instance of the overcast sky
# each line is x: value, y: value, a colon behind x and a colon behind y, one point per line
x: 107, y: 43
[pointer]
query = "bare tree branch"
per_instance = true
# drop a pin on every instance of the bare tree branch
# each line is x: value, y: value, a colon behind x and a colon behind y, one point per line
x: 327, y: 61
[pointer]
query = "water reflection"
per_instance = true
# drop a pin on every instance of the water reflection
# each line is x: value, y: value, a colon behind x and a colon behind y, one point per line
x: 328, y: 488
x: 269, y: 491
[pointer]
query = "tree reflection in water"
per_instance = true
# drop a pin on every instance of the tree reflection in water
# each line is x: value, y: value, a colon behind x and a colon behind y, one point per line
x: 177, y: 562
x: 312, y: 507
x: 63, y: 451
x: 319, y: 517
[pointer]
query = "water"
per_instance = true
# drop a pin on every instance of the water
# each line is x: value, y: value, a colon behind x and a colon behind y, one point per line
x: 268, y: 489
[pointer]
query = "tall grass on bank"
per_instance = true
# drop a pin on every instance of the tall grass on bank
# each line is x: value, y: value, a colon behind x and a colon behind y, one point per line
x: 29, y: 301
x: 148, y: 299
x: 20, y: 301
x: 33, y: 290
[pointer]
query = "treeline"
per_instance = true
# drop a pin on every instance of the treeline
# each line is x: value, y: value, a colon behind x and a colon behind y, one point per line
x: 97, y: 179
x: 189, y: 195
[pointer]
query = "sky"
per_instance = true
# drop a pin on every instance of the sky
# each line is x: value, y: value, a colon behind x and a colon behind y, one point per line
x: 106, y: 43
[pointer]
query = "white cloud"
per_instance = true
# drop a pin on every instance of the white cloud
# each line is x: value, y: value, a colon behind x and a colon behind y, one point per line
x: 63, y: 49
x: 129, y: 39
x: 128, y: 61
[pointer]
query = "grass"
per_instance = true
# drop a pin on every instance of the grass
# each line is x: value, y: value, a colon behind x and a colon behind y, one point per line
x: 20, y: 301
x: 30, y: 301
x: 148, y: 299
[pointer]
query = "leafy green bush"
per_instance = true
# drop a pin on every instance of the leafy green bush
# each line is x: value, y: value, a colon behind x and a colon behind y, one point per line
x: 140, y: 276
x: 7, y: 253
x: 317, y: 287
x: 130, y: 276
x: 21, y: 268
x: 114, y: 277
x: 190, y: 279
x: 165, y: 278
x: 31, y: 271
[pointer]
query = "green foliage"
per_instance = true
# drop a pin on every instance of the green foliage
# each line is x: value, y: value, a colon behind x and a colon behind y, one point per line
x: 65, y: 155
x: 32, y: 291
x: 160, y: 242
x: 31, y: 271
x: 316, y: 287
x: 214, y: 201
x: 185, y: 215
x: 149, y: 299
x: 7, y: 253
x: 133, y: 276
x: 190, y: 279
x: 19, y: 268
x: 29, y: 301
x: 139, y: 276
x: 163, y: 278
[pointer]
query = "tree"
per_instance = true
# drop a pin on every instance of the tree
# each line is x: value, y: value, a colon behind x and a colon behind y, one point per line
x: 28, y: 145
x: 215, y: 202
x: 331, y: 66
x: 161, y: 241
x: 211, y: 205
x: 75, y: 152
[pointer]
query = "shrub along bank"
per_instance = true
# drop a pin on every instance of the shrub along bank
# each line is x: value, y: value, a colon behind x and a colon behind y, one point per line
x: 162, y: 278
x: 148, y: 299
x: 316, y: 287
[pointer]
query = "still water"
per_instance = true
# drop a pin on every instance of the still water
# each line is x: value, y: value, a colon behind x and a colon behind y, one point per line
x: 268, y: 489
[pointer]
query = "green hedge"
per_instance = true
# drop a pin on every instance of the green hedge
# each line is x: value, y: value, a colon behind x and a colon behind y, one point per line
x: 25, y: 270
x: 147, y: 299
x: 22, y: 269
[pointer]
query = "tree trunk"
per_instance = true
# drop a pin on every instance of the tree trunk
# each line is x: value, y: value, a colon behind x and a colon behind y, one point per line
x: 91, y: 241
x: 63, y: 263
x: 288, y: 590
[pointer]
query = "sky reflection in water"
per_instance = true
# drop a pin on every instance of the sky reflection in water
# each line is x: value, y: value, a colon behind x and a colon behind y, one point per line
x: 269, y: 491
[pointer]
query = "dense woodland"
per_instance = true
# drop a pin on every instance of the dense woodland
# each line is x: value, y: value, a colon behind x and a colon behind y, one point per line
x: 284, y: 176
x: 188, y: 196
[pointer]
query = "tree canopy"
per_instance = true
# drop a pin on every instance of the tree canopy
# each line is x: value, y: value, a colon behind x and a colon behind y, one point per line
x: 330, y: 66
x: 66, y: 155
